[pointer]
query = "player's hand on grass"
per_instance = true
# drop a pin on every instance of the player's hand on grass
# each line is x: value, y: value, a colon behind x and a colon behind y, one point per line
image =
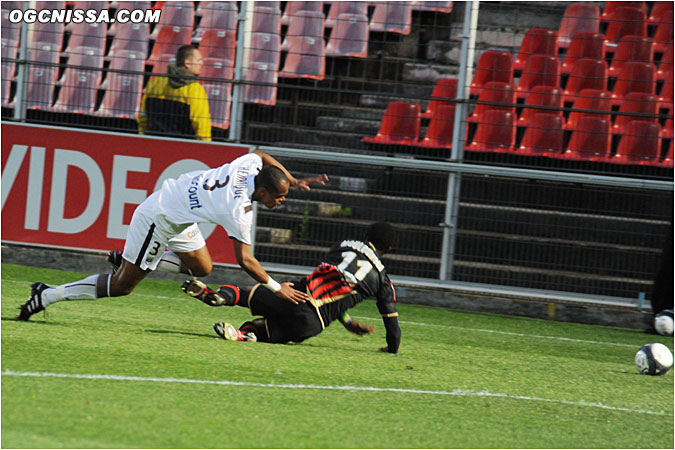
x: 287, y: 292
x: 360, y: 329
x: 303, y: 184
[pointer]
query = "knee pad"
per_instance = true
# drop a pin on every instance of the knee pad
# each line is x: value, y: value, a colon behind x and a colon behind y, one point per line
x: 230, y: 293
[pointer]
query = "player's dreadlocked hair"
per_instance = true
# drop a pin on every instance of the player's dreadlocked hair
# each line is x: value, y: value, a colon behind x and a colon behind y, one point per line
x: 270, y: 178
x: 382, y: 235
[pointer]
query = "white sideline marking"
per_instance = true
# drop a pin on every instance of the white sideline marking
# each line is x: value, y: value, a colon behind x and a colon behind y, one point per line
x: 456, y: 392
x: 452, y: 327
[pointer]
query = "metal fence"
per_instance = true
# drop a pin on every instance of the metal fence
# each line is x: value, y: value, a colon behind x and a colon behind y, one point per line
x: 556, y: 117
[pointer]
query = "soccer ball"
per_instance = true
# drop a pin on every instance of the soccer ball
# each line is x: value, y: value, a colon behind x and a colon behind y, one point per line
x: 653, y: 359
x: 663, y: 322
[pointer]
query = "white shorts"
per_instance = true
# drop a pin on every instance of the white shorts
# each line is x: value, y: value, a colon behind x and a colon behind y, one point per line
x: 149, y: 235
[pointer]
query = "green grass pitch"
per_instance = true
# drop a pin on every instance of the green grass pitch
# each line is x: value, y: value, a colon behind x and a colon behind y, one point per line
x: 147, y: 371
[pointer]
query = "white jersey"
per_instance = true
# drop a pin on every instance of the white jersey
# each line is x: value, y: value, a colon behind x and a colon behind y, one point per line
x: 221, y: 196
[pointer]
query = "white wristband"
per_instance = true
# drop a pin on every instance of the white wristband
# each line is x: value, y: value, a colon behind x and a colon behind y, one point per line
x: 272, y: 285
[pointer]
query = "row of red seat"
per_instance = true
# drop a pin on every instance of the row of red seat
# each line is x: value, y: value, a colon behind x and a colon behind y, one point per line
x: 591, y: 135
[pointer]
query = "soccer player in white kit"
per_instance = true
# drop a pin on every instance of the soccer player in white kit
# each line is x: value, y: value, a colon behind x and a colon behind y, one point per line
x: 168, y: 219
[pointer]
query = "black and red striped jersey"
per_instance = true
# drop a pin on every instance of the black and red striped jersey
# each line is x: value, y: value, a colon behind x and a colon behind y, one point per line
x: 350, y: 273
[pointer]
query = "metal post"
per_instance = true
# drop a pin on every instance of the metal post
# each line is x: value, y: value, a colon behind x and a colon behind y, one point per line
x: 458, y: 138
x: 243, y: 39
x: 19, y: 103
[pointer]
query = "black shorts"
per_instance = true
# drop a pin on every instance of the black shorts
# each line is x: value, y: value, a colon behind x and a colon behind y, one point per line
x: 286, y: 321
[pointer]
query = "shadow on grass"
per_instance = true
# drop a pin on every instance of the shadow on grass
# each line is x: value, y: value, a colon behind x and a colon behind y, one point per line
x: 184, y: 333
x: 33, y: 320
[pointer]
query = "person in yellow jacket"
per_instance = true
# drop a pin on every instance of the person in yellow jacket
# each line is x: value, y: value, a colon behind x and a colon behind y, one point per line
x: 176, y: 105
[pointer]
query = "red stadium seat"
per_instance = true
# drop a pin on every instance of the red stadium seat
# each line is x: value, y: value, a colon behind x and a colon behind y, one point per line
x: 667, y: 130
x: 544, y: 136
x: 87, y: 35
x: 339, y: 8
x: 131, y: 37
x: 306, y: 59
x: 47, y: 33
x: 588, y: 74
x: 392, y: 17
x: 41, y: 79
x: 583, y: 45
x: 218, y: 93
x: 590, y: 140
x: 349, y: 36
x: 537, y: 41
x: 161, y: 66
x: 422, y: 5
x: 590, y: 100
x: 129, y: 6
x: 666, y: 94
x: 263, y: 68
x: 9, y: 51
x: 541, y: 70
x: 636, y: 103
x: 640, y: 144
x: 293, y: 8
x: 658, y: 8
x: 400, y: 125
x: 303, y: 24
x: 441, y: 126
x: 666, y: 64
x: 175, y: 14
x: 266, y: 19
x: 668, y: 160
x: 664, y: 31
x: 123, y: 92
x: 492, y: 66
x: 541, y: 96
x: 169, y: 40
x: 496, y: 132
x: 217, y: 16
x: 610, y: 7
x: 444, y: 88
x: 79, y: 86
x: 578, y: 18
x: 219, y: 44
x: 634, y: 77
x: 631, y: 49
x: 624, y: 22
x: 494, y: 96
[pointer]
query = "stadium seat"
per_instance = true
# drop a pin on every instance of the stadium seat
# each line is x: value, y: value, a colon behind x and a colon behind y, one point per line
x: 129, y: 6
x: 131, y: 37
x: 85, y: 35
x: 400, y: 125
x: 634, y: 77
x: 422, y: 5
x: 610, y: 7
x: 496, y: 132
x: 588, y: 74
x: 636, y: 103
x: 578, y: 18
x: 583, y: 45
x: 624, y: 22
x: 544, y: 136
x: 666, y: 94
x: 640, y: 144
x: 263, y: 67
x: 161, y: 65
x: 339, y: 8
x: 666, y: 64
x: 175, y: 14
x: 123, y: 91
x: 444, y: 88
x: 664, y: 31
x: 590, y: 141
x: 219, y: 44
x: 293, y: 8
x: 217, y: 68
x: 169, y: 40
x: 590, y: 100
x: 494, y: 96
x: 440, y: 131
x: 541, y: 70
x: 41, y: 79
x: 668, y: 160
x: 266, y: 19
x: 349, y: 36
x: 537, y: 41
x: 658, y: 8
x: 392, y: 17
x: 79, y: 86
x: 47, y: 33
x: 218, y: 93
x: 667, y: 130
x: 217, y: 16
x: 630, y: 48
x: 10, y: 50
x: 303, y: 24
x: 10, y: 31
x: 10, y: 5
x: 492, y: 66
x: 541, y: 96
x: 305, y: 59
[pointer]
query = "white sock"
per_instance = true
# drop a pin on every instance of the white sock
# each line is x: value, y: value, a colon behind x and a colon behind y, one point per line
x: 172, y: 263
x: 90, y: 288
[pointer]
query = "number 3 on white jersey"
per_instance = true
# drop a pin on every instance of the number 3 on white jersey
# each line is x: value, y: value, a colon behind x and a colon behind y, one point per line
x: 364, y: 266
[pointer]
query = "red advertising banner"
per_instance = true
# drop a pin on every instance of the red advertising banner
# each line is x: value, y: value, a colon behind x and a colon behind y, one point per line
x: 78, y: 189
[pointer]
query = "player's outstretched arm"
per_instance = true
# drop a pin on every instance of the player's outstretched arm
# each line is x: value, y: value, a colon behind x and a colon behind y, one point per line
x: 252, y: 266
x: 302, y: 184
x: 355, y: 327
